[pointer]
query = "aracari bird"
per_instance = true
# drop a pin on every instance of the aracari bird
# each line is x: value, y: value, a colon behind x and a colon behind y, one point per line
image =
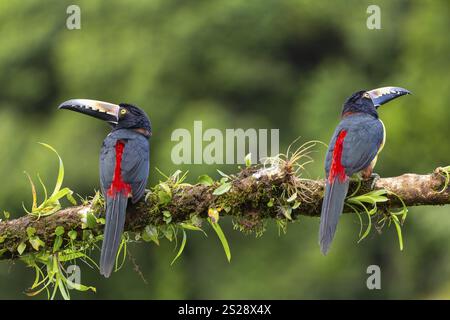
x: 354, y: 148
x: 124, y: 166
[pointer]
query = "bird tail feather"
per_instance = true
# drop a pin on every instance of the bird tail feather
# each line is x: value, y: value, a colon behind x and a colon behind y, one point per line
x: 333, y: 203
x: 116, y: 208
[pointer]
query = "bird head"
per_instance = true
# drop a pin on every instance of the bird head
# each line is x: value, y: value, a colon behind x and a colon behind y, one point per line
x: 122, y: 116
x: 368, y: 101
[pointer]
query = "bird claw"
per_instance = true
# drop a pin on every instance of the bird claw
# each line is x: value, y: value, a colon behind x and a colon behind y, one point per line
x: 374, y: 177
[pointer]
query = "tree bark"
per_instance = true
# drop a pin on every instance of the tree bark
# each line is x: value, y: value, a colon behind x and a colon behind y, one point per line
x: 255, y: 195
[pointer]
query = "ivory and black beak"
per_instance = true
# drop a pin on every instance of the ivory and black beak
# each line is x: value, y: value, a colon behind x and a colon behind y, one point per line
x: 385, y: 94
x: 101, y: 110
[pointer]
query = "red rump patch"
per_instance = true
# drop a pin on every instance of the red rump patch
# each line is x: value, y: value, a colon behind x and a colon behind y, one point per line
x: 118, y: 185
x: 337, y: 170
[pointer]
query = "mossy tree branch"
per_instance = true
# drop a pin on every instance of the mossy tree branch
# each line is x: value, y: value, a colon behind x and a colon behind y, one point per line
x: 255, y: 195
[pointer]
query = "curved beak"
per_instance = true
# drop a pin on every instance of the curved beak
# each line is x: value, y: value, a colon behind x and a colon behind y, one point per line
x: 385, y: 94
x: 105, y: 111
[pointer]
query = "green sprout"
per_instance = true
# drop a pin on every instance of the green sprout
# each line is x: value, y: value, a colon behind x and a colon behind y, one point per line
x: 50, y: 204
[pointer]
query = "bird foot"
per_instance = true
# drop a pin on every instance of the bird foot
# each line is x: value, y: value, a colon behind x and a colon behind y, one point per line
x: 374, y: 177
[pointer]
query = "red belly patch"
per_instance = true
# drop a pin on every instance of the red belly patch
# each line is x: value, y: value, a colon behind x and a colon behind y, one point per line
x: 337, y: 170
x: 118, y: 185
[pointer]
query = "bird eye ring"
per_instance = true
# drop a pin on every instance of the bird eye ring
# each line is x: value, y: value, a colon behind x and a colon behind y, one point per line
x: 123, y: 112
x: 366, y: 95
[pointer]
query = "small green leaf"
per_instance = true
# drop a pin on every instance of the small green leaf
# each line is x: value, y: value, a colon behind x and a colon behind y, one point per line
x: 296, y: 204
x: 223, y: 180
x: 31, y: 231
x: 87, y: 234
x: 223, y: 174
x: 2, y: 238
x: 71, y: 199
x: 399, y: 231
x: 196, y: 220
x: 6, y: 214
x: 80, y: 287
x: 72, y: 234
x: 57, y: 244
x: 60, y: 177
x: 122, y: 252
x: 59, y: 231
x: 91, y: 221
x: 293, y: 197
x: 63, y: 257
x: 224, y: 188
x: 222, y: 238
x: 287, y: 212
x: 167, y: 217
x: 248, y: 160
x: 150, y: 233
x: 205, y: 180
x: 168, y: 233
x: 270, y: 203
x: 192, y: 227
x: 164, y: 198
x: 21, y: 248
x: 369, y: 223
x: 43, y: 187
x: 33, y: 192
x: 183, y: 244
x: 166, y: 188
x: 36, y: 243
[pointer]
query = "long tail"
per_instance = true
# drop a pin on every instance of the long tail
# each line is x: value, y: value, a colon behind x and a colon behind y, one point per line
x: 116, y: 208
x: 333, y: 203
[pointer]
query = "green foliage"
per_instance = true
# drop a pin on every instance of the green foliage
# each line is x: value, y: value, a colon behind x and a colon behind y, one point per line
x: 222, y: 189
x: 48, y: 263
x: 369, y: 204
x: 205, y: 180
x: 216, y: 227
x: 180, y: 251
x: 50, y: 203
x: 248, y: 160
x: 122, y: 252
x: 51, y: 276
x: 150, y: 233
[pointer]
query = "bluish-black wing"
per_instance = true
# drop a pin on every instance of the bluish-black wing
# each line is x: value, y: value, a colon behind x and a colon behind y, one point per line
x: 107, y: 163
x: 135, y: 165
x: 361, y: 144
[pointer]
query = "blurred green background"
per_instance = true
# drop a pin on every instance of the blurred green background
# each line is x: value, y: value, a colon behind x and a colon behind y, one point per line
x: 286, y: 64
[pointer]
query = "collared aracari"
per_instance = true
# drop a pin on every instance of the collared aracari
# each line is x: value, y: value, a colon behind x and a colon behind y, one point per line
x: 354, y: 148
x: 124, y: 166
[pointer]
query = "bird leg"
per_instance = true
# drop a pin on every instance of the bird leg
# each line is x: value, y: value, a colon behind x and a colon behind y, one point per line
x: 368, y: 174
x: 374, y: 177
